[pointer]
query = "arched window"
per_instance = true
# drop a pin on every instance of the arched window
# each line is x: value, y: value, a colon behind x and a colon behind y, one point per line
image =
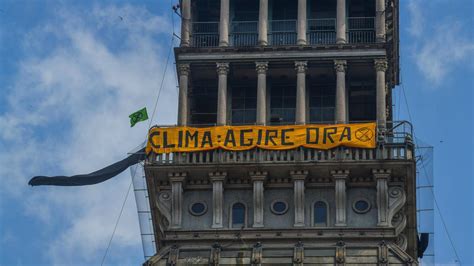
x: 238, y: 215
x: 320, y: 213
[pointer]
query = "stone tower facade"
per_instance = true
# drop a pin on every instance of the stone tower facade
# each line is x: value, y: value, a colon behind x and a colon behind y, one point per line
x: 287, y: 62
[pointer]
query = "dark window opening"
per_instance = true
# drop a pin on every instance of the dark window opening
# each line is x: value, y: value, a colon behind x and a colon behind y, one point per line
x: 245, y: 10
x: 204, y: 103
x: 206, y: 10
x: 361, y: 8
x: 321, y: 9
x: 320, y: 213
x: 283, y: 103
x: 238, y: 215
x: 322, y: 102
x: 362, y: 101
x: 244, y: 105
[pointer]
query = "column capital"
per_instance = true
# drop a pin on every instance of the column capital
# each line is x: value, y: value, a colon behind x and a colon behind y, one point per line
x: 301, y: 66
x: 261, y: 67
x: 381, y: 173
x: 258, y: 175
x: 222, y: 68
x: 184, y: 69
x: 340, y: 65
x: 177, y: 176
x: 217, y: 176
x: 381, y: 64
x: 340, y: 174
x: 299, y: 174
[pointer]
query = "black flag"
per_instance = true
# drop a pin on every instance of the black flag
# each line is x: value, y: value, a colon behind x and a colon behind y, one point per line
x: 92, y: 178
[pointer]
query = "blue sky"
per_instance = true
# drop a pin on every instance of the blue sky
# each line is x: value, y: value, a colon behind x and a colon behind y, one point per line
x: 72, y: 71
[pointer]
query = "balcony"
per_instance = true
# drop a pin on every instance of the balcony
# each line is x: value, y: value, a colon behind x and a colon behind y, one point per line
x: 322, y: 31
x: 361, y: 30
x: 397, y: 145
x: 284, y: 32
x: 205, y: 34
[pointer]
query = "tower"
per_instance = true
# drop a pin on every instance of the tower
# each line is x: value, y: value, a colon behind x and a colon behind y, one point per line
x: 299, y: 64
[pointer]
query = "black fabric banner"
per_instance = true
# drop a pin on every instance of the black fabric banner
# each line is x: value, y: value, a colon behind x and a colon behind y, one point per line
x: 92, y: 178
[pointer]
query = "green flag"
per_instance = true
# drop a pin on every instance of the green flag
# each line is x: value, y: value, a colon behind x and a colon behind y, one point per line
x: 138, y: 116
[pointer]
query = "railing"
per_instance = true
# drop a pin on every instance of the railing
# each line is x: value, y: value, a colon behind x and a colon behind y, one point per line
x: 397, y: 145
x: 361, y: 29
x: 282, y: 32
x: 205, y: 34
x: 322, y: 31
x: 244, y: 33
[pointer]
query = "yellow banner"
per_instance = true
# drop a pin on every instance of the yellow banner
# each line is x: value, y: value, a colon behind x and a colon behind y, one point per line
x: 239, y: 138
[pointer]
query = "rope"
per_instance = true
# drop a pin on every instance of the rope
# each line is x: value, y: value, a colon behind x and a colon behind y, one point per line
x: 431, y: 187
x: 135, y: 170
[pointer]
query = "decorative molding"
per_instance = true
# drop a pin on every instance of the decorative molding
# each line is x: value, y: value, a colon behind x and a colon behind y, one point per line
x: 298, y: 254
x: 340, y: 65
x: 299, y: 174
x: 222, y: 68
x: 381, y: 65
x: 301, y: 66
x: 397, y: 198
x: 261, y: 67
x: 184, y: 69
x: 163, y: 204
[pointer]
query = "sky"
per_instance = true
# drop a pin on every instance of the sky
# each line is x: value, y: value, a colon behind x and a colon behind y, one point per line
x: 72, y: 71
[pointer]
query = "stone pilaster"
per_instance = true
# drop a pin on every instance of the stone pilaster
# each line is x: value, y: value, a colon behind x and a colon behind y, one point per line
x: 261, y: 68
x: 341, y: 107
x: 298, y: 182
x: 340, y: 177
x: 176, y: 180
x: 381, y: 176
x: 301, y: 67
x: 186, y: 23
x: 258, y: 178
x: 380, y: 68
x: 302, y: 22
x: 341, y: 22
x: 222, y: 72
x: 380, y: 30
x: 217, y: 179
x: 183, y: 71
x: 224, y: 24
x: 263, y: 23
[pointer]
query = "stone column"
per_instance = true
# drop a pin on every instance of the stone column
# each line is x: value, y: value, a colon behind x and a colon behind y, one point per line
x: 380, y: 67
x: 263, y: 23
x: 301, y: 67
x: 302, y: 22
x: 341, y: 112
x: 186, y: 23
x: 262, y: 68
x: 340, y: 177
x: 380, y: 20
x: 258, y: 179
x: 176, y: 180
x: 183, y: 71
x: 224, y: 24
x: 222, y: 71
x: 217, y: 179
x: 381, y: 176
x: 341, y: 22
x: 298, y: 182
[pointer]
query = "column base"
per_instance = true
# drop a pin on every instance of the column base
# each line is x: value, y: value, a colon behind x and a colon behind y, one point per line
x: 262, y: 43
x: 175, y: 227
x: 341, y: 41
x: 380, y: 39
x: 258, y: 226
x: 299, y: 225
x: 383, y: 224
x: 217, y: 226
x: 223, y: 44
x: 301, y: 42
x: 340, y: 224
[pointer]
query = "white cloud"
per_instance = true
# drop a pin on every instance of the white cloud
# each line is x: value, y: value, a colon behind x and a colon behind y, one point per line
x: 68, y: 113
x: 440, y: 46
